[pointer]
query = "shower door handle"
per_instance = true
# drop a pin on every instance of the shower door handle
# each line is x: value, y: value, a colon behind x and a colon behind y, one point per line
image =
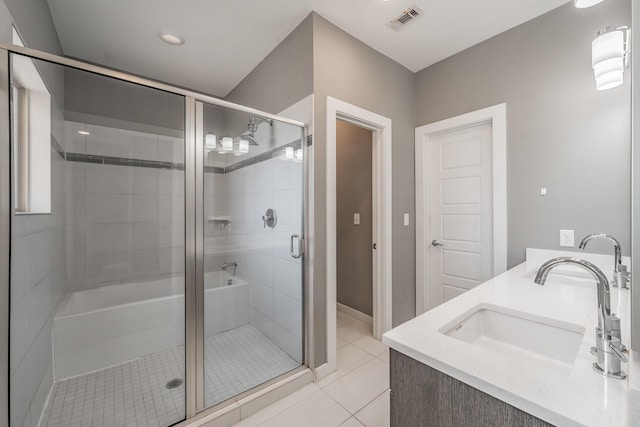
x: 300, y: 246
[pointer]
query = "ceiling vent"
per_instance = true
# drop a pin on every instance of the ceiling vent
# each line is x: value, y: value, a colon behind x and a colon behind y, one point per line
x: 406, y: 18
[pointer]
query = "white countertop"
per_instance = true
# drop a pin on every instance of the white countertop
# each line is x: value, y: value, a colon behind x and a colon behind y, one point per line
x: 575, y: 395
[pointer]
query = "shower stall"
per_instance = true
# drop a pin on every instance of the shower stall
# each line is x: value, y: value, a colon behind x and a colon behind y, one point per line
x: 156, y: 246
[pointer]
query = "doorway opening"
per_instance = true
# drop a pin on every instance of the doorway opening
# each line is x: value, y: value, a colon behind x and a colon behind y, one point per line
x: 354, y: 221
x: 380, y: 127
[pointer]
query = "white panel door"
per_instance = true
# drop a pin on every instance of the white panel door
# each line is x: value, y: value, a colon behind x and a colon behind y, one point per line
x: 460, y: 211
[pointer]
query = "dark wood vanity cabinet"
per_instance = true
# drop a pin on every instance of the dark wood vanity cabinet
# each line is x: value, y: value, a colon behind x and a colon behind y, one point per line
x: 423, y: 396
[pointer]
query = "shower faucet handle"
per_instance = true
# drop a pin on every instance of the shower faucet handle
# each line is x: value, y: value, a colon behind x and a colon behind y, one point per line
x: 270, y: 218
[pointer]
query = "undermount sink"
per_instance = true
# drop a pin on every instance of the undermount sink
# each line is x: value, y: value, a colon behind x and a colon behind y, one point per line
x: 512, y: 333
x: 568, y: 276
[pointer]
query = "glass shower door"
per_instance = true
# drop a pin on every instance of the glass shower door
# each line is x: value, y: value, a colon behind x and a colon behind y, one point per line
x: 97, y: 330
x: 252, y: 230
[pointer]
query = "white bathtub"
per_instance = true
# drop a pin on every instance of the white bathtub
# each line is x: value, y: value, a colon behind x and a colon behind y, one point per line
x: 102, y: 327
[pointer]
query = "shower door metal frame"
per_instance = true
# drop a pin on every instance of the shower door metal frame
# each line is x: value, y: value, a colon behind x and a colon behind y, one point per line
x: 307, y: 295
x: 192, y: 357
x: 194, y: 221
x: 199, y: 260
x: 5, y: 230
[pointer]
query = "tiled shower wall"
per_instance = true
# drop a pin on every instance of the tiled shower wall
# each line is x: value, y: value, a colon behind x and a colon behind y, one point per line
x: 37, y: 284
x: 124, y: 221
x: 217, y: 233
x: 275, y: 277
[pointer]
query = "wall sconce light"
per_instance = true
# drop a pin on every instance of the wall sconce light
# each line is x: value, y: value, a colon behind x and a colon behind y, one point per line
x: 243, y: 146
x: 288, y: 152
x: 210, y: 142
x: 610, y: 56
x: 582, y: 4
x: 227, y: 144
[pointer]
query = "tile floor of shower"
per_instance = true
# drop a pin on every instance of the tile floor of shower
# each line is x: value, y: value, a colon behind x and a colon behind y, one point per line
x: 135, y: 393
x: 357, y: 394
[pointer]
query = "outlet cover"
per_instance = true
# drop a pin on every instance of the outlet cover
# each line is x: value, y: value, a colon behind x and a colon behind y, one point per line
x: 356, y: 219
x: 566, y: 239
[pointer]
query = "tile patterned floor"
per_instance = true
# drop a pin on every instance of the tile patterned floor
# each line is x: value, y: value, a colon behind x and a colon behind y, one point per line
x: 238, y: 360
x: 134, y: 393
x: 357, y: 394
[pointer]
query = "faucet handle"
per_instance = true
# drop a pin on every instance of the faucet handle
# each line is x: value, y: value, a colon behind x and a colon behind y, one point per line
x: 617, y: 352
x: 616, y: 332
x: 609, y: 357
x: 621, y: 277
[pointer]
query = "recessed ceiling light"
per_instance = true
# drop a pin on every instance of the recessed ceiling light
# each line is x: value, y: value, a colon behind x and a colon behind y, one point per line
x: 172, y: 39
x: 84, y: 132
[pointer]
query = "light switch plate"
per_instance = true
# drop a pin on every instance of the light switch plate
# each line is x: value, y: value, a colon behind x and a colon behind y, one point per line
x: 356, y: 218
x: 406, y: 219
x: 567, y: 239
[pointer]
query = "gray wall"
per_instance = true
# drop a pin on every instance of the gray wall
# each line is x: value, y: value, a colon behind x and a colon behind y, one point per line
x: 94, y: 99
x: 284, y: 77
x: 354, y: 195
x: 562, y: 133
x: 34, y: 23
x: 347, y: 69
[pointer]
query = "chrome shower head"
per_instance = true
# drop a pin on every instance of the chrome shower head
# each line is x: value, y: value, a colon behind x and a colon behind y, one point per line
x: 252, y: 127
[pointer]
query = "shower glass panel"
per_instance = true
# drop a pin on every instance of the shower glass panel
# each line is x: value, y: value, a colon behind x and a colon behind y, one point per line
x: 97, y: 280
x: 253, y: 269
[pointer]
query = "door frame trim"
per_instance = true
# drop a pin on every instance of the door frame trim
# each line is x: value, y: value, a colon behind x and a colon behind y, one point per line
x: 497, y: 117
x: 382, y: 213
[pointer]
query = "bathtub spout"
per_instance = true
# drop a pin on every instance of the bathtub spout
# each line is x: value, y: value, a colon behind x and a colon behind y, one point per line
x: 233, y: 264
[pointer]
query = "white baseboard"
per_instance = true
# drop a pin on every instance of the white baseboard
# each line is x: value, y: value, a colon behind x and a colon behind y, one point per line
x: 355, y: 313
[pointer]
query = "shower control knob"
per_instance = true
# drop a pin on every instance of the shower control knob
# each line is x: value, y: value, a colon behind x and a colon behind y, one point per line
x: 270, y: 218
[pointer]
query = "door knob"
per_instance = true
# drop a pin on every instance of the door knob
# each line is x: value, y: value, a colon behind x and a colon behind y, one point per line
x: 436, y: 243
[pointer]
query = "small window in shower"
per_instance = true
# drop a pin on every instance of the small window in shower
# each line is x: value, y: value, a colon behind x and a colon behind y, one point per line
x: 31, y: 123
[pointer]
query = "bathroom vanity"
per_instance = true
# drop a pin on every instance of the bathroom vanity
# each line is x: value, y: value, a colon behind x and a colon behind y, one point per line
x: 419, y: 393
x: 512, y: 352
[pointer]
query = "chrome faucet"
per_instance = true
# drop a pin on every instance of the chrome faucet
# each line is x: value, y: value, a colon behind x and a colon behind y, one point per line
x: 233, y: 264
x: 608, y: 347
x: 620, y: 274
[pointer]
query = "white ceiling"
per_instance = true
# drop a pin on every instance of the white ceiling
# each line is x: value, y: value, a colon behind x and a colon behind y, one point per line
x: 226, y: 39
